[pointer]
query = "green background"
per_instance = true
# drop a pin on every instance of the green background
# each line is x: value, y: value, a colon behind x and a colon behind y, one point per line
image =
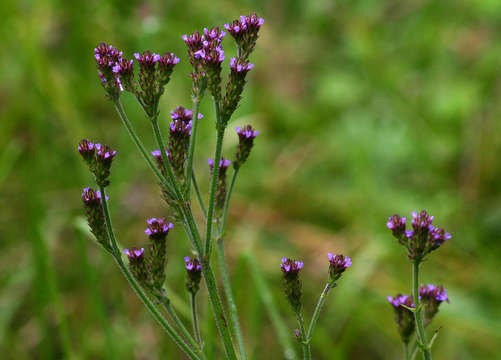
x: 365, y: 109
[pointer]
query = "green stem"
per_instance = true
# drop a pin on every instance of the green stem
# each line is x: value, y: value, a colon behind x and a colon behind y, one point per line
x: 165, y: 159
x: 212, y: 192
x: 135, y: 139
x: 135, y: 285
x: 316, y: 313
x: 227, y: 201
x: 191, y: 149
x: 225, y: 275
x: 199, y: 195
x: 406, y: 350
x: 304, y: 343
x: 172, y: 313
x: 421, y: 335
x: 194, y: 316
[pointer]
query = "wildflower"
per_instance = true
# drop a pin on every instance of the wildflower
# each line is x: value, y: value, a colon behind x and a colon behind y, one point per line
x: 157, y: 231
x: 422, y: 239
x: 245, y: 32
x: 124, y: 69
x: 160, y: 161
x: 107, y: 57
x: 235, y: 86
x: 87, y: 149
x: 95, y: 216
x: 194, y: 274
x: 166, y: 65
x: 337, y: 265
x: 138, y: 265
x: 432, y: 296
x: 221, y: 184
x: 104, y: 158
x: 246, y: 136
x: 180, y: 132
x: 292, y: 284
x: 404, y: 318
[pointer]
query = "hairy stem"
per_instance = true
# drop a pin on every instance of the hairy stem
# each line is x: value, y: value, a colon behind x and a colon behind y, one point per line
x: 194, y: 317
x: 137, y: 288
x: 212, y: 191
x: 191, y: 149
x: 225, y: 275
x: 304, y: 343
x: 421, y: 334
x: 135, y: 139
x: 316, y: 313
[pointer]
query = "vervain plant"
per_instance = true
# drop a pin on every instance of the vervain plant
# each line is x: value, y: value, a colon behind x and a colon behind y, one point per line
x: 172, y: 165
x: 413, y: 313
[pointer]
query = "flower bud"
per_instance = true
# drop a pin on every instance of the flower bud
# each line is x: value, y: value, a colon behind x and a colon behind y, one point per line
x: 104, y: 158
x: 404, y: 318
x: 245, y: 32
x: 157, y: 231
x: 292, y: 284
x: 337, y: 265
x: 194, y: 274
x: 246, y: 136
x: 107, y: 57
x: 95, y: 216
x: 87, y: 149
x: 138, y: 266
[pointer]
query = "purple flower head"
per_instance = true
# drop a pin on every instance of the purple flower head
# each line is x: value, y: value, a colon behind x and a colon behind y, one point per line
x: 432, y: 296
x: 134, y: 254
x: 193, y: 271
x: 290, y: 266
x: 223, y: 163
x: 180, y: 128
x: 246, y: 136
x: 192, y: 264
x: 214, y: 35
x: 124, y: 69
x: 180, y: 113
x: 105, y: 153
x: 401, y: 300
x: 90, y: 196
x: 438, y: 236
x: 421, y: 220
x: 95, y: 216
x: 245, y: 32
x: 107, y: 58
x: 166, y: 65
x: 158, y: 228
x: 193, y: 41
x: 87, y: 149
x: 404, y: 318
x: 397, y: 225
x: 158, y: 155
x: 238, y: 65
x: 337, y: 265
x: 147, y: 59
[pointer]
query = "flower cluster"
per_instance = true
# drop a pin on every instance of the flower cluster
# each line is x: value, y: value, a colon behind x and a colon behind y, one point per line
x: 206, y: 55
x: 422, y: 239
x: 292, y: 284
x: 93, y: 205
x: 194, y: 274
x: 138, y: 265
x: 99, y: 158
x: 245, y: 32
x: 180, y: 132
x: 337, y: 265
x: 221, y: 183
x: 239, y: 67
x: 157, y: 231
x: 432, y: 296
x: 404, y: 318
x: 107, y: 58
x: 246, y: 136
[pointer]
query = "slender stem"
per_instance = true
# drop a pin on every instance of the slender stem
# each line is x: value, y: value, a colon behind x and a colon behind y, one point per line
x: 212, y: 191
x: 135, y: 139
x: 225, y: 275
x: 135, y: 285
x: 191, y: 149
x: 194, y: 317
x: 304, y: 343
x: 165, y: 159
x: 406, y: 350
x: 421, y: 335
x: 227, y: 201
x: 316, y: 313
x: 199, y: 195
x: 172, y: 312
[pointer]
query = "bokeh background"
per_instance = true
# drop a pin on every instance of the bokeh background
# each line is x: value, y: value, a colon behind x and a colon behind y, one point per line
x: 365, y: 108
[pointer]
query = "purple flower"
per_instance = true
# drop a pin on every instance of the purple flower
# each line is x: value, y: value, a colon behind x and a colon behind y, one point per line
x: 180, y: 132
x: 292, y: 284
x: 107, y: 58
x: 404, y: 318
x: 221, y: 183
x: 239, y: 65
x: 134, y: 254
x: 337, y: 265
x: 158, y: 155
x: 166, y: 65
x: 432, y: 296
x: 214, y: 35
x: 147, y: 59
x: 92, y: 201
x: 105, y: 153
x: 397, y: 225
x: 158, y: 228
x: 138, y: 266
x: 223, y: 163
x: 290, y: 266
x: 124, y: 69
x: 246, y: 136
x: 245, y: 32
x: 194, y: 274
x: 87, y: 149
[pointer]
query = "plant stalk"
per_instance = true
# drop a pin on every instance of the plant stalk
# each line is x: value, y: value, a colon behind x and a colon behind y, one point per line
x: 316, y: 313
x: 194, y: 316
x: 421, y: 334
x: 304, y: 343
x: 225, y: 275
x: 227, y: 202
x: 191, y: 149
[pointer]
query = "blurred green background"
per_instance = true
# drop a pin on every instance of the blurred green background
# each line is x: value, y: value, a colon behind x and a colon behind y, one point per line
x: 365, y: 108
